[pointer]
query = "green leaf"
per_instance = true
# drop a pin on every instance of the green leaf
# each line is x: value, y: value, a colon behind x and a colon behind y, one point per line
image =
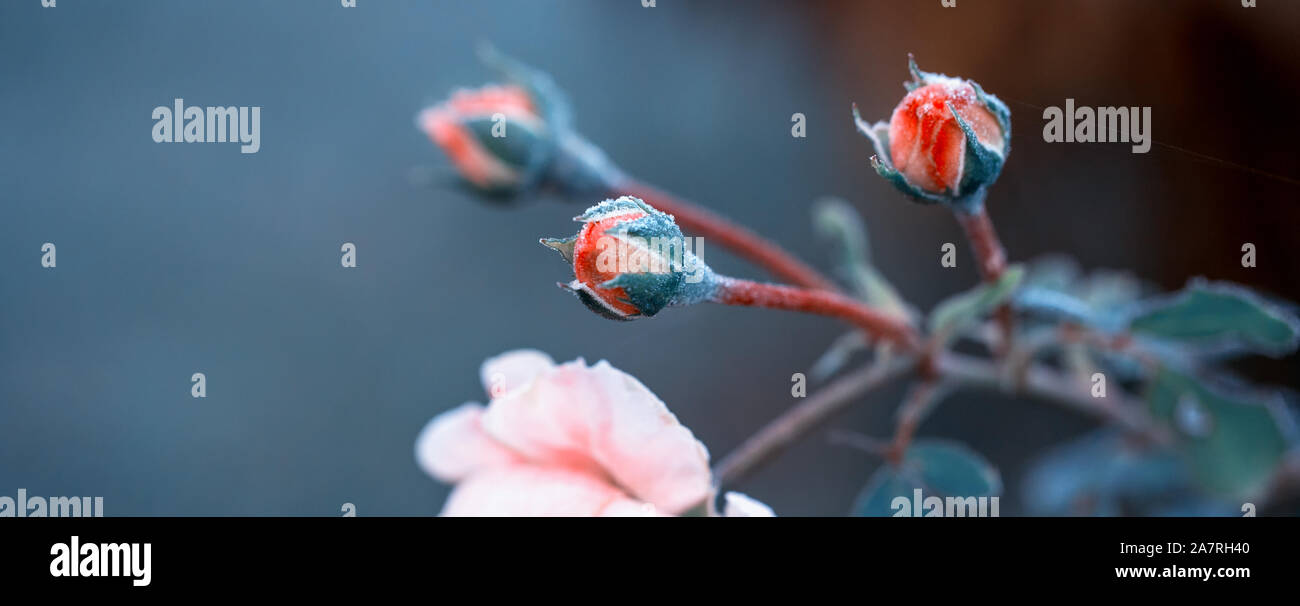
x: 938, y: 468
x: 1105, y: 473
x: 958, y: 312
x: 837, y: 356
x: 877, y: 498
x: 836, y: 220
x: 1052, y: 272
x: 1217, y: 318
x: 1055, y: 290
x: 1232, y: 441
x: 1106, y: 289
x: 952, y: 469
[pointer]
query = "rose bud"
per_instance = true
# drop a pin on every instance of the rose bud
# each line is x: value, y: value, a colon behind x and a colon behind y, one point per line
x: 945, y: 142
x: 631, y: 260
x: 463, y: 127
x: 510, y: 138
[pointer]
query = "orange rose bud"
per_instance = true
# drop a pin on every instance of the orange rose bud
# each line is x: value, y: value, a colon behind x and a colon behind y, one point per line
x: 945, y: 142
x: 512, y: 138
x: 630, y: 260
x: 492, y: 134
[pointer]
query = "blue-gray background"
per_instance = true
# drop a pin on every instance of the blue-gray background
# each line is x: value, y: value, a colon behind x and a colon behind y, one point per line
x: 176, y: 258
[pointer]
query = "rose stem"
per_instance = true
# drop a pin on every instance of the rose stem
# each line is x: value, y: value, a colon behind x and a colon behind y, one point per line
x: 803, y: 418
x: 914, y: 408
x: 745, y: 243
x: 877, y: 324
x: 992, y: 262
x: 962, y: 371
x: 984, y: 239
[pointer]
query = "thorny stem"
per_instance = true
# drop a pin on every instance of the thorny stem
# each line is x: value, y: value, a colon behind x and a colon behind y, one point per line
x: 740, y: 240
x: 877, y: 324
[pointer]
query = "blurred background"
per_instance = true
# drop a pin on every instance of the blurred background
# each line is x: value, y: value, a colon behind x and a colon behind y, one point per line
x: 176, y: 259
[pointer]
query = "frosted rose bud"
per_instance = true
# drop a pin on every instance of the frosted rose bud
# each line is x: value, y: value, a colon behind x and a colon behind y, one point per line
x: 511, y: 138
x: 631, y: 260
x: 493, y: 135
x: 945, y: 142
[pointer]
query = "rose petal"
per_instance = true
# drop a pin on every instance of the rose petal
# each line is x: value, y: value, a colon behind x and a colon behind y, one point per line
x: 740, y: 505
x: 492, y: 99
x: 595, y: 248
x: 454, y: 445
x: 512, y: 370
x: 629, y: 508
x: 903, y: 137
x: 927, y: 145
x: 604, y: 421
x: 530, y: 490
x: 947, y: 156
x: 470, y: 158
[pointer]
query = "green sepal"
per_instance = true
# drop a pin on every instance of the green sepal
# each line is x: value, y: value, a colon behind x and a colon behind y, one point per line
x: 648, y: 292
x: 593, y: 302
x: 524, y: 149
x: 564, y: 246
x: 982, y: 165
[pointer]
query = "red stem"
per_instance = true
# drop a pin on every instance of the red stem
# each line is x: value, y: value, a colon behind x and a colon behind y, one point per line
x: 877, y: 324
x: 992, y: 262
x: 909, y: 418
x: 984, y: 239
x: 743, y: 242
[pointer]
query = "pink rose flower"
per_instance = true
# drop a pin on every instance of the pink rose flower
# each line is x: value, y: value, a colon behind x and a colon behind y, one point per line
x: 568, y: 440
